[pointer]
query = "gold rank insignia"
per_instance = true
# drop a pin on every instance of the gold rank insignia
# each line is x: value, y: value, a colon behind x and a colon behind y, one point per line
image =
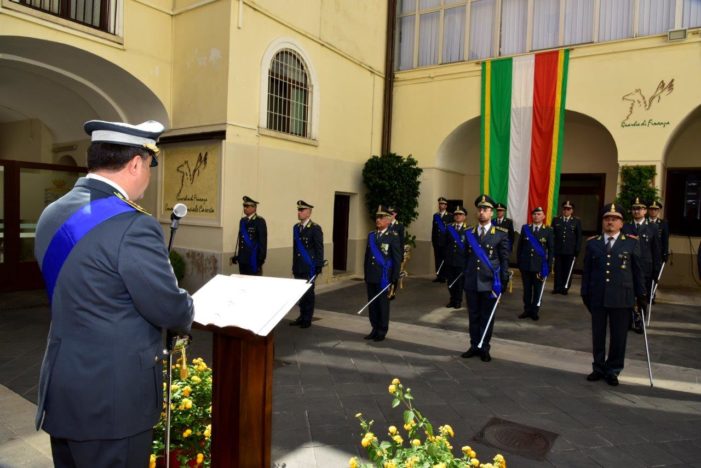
x: 131, y: 203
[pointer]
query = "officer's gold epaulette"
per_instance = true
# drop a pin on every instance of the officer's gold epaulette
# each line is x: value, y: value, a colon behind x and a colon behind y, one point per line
x: 502, y: 229
x: 132, y: 204
x: 593, y: 237
x: 632, y: 236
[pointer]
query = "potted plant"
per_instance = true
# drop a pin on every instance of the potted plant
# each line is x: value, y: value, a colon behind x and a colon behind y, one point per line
x: 191, y: 417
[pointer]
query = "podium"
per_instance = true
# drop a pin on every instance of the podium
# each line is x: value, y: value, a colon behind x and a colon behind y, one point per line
x: 241, y: 312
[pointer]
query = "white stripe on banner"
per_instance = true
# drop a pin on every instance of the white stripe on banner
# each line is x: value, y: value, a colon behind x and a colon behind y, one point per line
x: 520, y: 145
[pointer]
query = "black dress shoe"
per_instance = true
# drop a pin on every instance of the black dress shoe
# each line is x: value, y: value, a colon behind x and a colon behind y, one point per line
x: 296, y: 322
x: 437, y: 280
x: 450, y: 305
x: 379, y: 338
x: 524, y: 315
x: 564, y: 293
x: 594, y: 376
x: 485, y: 357
x: 469, y: 353
x: 305, y: 324
x: 555, y: 291
x: 611, y: 379
x: 372, y: 335
x: 457, y: 306
x: 535, y: 317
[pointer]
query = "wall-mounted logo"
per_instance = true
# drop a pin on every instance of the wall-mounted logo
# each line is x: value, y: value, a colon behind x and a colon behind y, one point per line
x: 640, y: 106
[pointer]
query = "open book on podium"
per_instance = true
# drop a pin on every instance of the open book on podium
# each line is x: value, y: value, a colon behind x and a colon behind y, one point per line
x: 241, y: 312
x: 253, y: 303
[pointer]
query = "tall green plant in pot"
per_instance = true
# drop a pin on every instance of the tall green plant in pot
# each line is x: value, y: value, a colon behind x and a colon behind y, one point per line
x: 392, y: 179
x: 637, y: 181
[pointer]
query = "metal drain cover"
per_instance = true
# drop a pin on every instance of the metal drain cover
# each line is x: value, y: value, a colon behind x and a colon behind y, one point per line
x: 516, y: 438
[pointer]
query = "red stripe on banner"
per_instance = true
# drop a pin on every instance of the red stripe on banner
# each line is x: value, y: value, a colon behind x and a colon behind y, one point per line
x: 544, y: 91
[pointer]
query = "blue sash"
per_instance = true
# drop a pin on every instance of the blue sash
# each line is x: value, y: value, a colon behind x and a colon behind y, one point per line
x: 482, y: 255
x: 544, y: 267
x: 457, y: 239
x: 69, y: 234
x: 385, y: 264
x: 300, y: 246
x: 439, y: 221
x: 253, y: 246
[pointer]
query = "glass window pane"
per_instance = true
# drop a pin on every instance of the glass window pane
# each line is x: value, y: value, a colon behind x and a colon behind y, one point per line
x: 514, y: 23
x: 428, y: 38
x: 406, y: 43
x: 691, y: 14
x: 454, y: 34
x: 481, y: 29
x: 407, y: 6
x: 579, y: 21
x: 615, y: 19
x: 655, y: 17
x: 546, y: 24
x: 38, y: 188
x: 424, y: 4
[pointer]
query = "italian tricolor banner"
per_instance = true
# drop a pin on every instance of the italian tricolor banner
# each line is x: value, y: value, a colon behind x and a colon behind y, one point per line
x: 522, y: 125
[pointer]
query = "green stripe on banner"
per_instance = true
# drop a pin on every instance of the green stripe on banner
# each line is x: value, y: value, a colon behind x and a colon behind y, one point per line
x: 483, y: 109
x: 500, y: 128
x: 561, y: 138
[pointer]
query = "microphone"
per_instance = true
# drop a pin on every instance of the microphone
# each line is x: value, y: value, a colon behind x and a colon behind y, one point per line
x: 179, y: 211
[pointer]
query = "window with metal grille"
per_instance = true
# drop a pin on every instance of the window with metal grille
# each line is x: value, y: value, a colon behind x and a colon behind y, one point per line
x: 98, y: 14
x: 289, y: 92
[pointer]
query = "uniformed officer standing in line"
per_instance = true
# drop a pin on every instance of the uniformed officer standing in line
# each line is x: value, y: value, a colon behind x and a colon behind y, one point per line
x: 455, y: 244
x: 112, y: 293
x: 252, y: 240
x: 307, y: 259
x: 382, y: 261
x: 612, y: 280
x: 507, y: 223
x: 534, y: 258
x: 486, y: 274
x: 396, y: 226
x: 662, y: 226
x: 440, y: 220
x: 567, y: 230
x: 650, y: 257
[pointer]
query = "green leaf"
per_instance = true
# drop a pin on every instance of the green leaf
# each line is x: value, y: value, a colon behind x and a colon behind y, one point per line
x: 408, y: 416
x: 395, y: 402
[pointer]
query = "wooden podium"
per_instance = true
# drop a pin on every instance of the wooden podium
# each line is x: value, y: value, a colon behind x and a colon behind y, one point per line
x: 242, y: 362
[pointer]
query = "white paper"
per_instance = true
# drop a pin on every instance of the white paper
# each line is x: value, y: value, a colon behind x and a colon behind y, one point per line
x: 254, y: 303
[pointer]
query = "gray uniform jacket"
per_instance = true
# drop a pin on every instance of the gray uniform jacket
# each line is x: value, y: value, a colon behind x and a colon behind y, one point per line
x: 101, y: 376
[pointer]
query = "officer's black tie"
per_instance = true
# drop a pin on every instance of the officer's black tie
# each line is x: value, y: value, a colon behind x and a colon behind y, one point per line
x: 481, y: 232
x: 609, y: 244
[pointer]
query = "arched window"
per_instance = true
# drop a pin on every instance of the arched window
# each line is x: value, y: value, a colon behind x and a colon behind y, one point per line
x: 289, y: 94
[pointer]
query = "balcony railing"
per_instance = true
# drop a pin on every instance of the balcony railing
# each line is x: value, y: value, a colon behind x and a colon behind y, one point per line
x: 98, y: 14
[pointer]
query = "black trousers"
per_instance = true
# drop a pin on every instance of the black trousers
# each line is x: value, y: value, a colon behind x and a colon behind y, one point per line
x: 617, y: 320
x: 479, y: 308
x: 306, y: 303
x: 379, y: 309
x: 439, y: 257
x: 562, y: 269
x: 531, y: 292
x: 247, y: 269
x: 131, y: 452
x: 452, y: 272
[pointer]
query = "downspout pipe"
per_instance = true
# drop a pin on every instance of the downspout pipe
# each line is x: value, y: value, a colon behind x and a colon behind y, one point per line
x: 389, y: 76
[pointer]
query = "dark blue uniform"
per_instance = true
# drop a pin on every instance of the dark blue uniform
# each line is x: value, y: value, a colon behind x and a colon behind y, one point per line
x: 455, y: 261
x: 479, y: 281
x: 258, y: 234
x: 663, y: 229
x: 438, y: 239
x: 611, y: 282
x: 567, y: 232
x: 649, y: 240
x: 312, y: 238
x: 508, y: 224
x: 530, y: 263
x: 388, y: 245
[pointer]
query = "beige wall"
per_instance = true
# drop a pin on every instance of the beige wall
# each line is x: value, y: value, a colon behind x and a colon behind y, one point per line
x: 25, y: 140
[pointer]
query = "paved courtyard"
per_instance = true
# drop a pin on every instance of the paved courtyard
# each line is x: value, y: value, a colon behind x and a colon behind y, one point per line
x: 326, y: 374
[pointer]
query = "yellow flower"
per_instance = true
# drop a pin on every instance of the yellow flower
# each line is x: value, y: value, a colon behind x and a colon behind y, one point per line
x: 187, y: 390
x: 408, y: 426
x: 392, y: 430
x: 499, y: 458
x: 390, y: 464
x: 195, y: 379
x: 365, y: 442
x: 174, y: 388
x: 398, y: 439
x: 447, y: 430
x: 392, y: 389
x: 186, y: 403
x: 353, y: 462
x: 466, y: 449
x: 152, y: 461
x: 475, y: 462
x: 208, y: 431
x: 395, y: 381
x: 487, y: 465
x: 358, y: 415
x: 200, y: 458
x: 416, y: 442
x: 187, y: 433
x: 440, y: 465
x: 472, y: 454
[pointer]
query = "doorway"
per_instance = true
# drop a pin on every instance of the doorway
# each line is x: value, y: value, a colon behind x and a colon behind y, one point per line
x: 25, y: 190
x: 341, y: 211
x: 586, y: 192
